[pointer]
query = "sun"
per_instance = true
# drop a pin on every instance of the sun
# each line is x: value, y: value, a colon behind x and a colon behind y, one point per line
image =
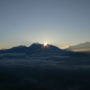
x: 45, y: 44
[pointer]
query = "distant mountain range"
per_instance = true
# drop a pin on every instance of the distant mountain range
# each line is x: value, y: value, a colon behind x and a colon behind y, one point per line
x: 37, y: 50
x: 34, y: 50
x: 83, y: 47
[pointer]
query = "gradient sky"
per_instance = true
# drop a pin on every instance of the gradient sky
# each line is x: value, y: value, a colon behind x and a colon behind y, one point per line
x: 58, y: 22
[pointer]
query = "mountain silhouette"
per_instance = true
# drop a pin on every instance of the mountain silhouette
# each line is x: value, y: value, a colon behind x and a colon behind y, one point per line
x: 39, y: 49
x: 35, y: 50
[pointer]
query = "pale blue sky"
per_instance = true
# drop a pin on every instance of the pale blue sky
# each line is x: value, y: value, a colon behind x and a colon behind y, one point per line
x: 58, y: 22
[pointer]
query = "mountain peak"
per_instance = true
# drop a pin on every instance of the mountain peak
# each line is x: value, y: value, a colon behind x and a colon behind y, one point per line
x: 40, y: 49
x: 42, y: 46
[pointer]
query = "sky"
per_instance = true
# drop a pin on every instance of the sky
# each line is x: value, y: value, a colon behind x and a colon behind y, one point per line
x: 57, y: 22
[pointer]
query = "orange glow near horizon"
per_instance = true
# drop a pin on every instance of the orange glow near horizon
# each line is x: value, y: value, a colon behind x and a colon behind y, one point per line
x: 64, y: 46
x: 45, y: 44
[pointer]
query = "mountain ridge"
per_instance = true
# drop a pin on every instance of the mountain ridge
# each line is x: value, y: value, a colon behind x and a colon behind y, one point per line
x: 35, y: 49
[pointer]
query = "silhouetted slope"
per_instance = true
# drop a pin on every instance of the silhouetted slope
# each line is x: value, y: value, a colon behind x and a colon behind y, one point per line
x: 15, y: 52
x: 18, y: 49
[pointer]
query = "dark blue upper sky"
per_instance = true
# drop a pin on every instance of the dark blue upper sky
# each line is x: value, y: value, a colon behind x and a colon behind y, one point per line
x: 59, y: 22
